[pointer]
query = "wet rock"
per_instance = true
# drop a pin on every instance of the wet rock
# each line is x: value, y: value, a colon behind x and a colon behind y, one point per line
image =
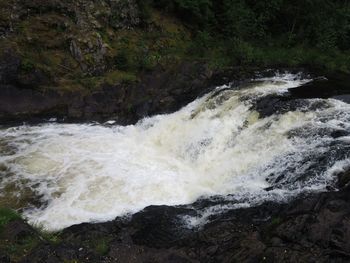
x: 313, y: 228
x: 339, y: 133
x: 312, y: 166
x: 20, y: 103
x: 17, y: 230
x: 157, y: 92
x: 334, y: 85
x: 344, y: 179
x: 139, y: 254
x: 159, y: 225
x: 9, y: 66
x: 274, y: 104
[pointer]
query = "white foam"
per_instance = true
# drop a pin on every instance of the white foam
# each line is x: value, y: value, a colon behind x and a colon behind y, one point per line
x: 213, y: 146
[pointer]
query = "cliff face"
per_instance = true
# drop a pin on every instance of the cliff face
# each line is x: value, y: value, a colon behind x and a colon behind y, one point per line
x: 74, y: 28
x: 91, y: 59
x: 69, y: 42
x: 89, y: 14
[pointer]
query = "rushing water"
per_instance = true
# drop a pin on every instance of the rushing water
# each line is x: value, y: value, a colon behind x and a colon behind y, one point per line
x: 64, y: 174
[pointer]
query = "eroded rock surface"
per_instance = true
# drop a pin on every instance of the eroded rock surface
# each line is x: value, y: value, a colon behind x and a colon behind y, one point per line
x: 313, y: 228
x: 161, y: 91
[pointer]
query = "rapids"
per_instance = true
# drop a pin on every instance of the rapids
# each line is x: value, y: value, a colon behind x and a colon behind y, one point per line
x: 219, y: 145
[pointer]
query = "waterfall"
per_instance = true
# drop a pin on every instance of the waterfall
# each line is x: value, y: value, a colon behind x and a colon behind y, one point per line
x: 218, y: 145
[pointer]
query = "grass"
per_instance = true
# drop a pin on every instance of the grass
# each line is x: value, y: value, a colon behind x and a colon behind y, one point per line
x: 6, y: 216
x: 52, y: 237
x: 101, y: 246
x: 117, y: 76
x: 17, y: 249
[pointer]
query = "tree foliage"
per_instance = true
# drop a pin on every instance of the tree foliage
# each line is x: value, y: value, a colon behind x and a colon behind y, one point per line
x: 323, y: 24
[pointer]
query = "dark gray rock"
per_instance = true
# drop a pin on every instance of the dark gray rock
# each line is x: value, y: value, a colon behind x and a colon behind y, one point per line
x: 9, y: 66
x: 159, y: 91
x: 314, y: 228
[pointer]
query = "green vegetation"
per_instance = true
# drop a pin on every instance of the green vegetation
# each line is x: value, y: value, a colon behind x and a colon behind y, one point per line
x: 52, y: 237
x: 267, y: 32
x: 17, y: 247
x: 320, y: 23
x: 103, y: 48
x: 17, y: 250
x: 275, y: 221
x: 27, y: 65
x: 6, y: 216
x: 14, y: 248
x: 101, y: 246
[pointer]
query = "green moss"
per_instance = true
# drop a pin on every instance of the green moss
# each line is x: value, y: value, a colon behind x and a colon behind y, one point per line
x: 116, y: 76
x: 101, y: 246
x: 16, y: 251
x: 276, y: 221
x: 43, y: 41
x: 27, y: 65
x: 6, y: 216
x: 52, y: 237
x: 19, y: 248
x: 121, y: 61
x: 90, y: 83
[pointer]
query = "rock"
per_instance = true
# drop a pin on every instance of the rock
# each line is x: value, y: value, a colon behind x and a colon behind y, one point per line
x: 19, y: 104
x: 90, y: 52
x: 277, y: 104
x: 139, y: 254
x: 73, y: 26
x: 312, y: 228
x: 344, y: 179
x: 5, y: 259
x: 9, y: 66
x: 159, y: 91
x: 32, y: 79
x: 124, y: 14
x: 17, y: 230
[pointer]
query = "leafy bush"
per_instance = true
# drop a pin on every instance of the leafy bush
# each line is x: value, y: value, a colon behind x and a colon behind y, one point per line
x: 322, y: 23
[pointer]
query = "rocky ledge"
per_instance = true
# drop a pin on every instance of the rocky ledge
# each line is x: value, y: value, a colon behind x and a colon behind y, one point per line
x: 159, y: 91
x: 313, y: 228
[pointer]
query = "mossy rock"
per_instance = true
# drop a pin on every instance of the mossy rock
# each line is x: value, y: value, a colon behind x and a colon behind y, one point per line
x: 6, y: 216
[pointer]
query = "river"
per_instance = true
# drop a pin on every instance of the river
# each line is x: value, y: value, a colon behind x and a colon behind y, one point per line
x: 220, y: 145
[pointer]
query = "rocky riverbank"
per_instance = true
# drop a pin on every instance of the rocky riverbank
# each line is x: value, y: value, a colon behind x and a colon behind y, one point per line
x: 313, y: 228
x: 160, y: 91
